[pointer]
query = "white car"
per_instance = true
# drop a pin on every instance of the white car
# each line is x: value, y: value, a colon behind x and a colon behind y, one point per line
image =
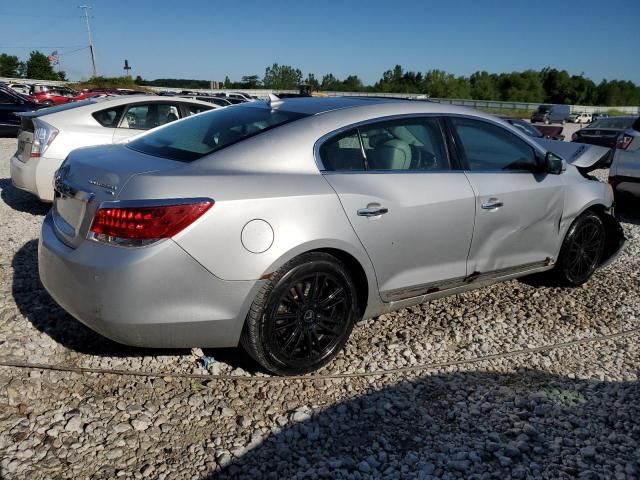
x: 21, y: 88
x: 580, y: 117
x: 47, y: 136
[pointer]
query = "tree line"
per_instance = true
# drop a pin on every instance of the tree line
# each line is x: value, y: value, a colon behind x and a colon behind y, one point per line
x: 548, y: 85
x: 36, y: 66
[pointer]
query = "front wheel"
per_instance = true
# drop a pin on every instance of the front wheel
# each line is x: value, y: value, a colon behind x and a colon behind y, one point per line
x: 581, y: 250
x: 303, y: 316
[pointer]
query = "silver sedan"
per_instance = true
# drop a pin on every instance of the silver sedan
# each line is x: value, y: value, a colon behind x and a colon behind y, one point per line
x: 279, y: 224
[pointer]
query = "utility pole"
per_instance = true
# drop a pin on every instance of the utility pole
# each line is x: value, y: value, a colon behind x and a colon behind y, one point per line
x: 93, y: 54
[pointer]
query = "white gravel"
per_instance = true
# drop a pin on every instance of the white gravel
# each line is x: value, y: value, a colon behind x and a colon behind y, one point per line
x: 562, y: 413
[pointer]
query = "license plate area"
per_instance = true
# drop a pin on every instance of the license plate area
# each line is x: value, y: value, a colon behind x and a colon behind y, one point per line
x: 69, y: 209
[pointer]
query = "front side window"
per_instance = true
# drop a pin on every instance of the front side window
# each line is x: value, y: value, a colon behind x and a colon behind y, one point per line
x: 488, y: 147
x: 204, y: 134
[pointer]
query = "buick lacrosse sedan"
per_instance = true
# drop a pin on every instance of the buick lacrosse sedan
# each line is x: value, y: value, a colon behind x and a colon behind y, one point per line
x: 277, y: 225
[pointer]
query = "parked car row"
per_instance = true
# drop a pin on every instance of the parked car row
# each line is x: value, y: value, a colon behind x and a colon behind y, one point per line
x: 231, y: 98
x: 277, y: 225
x: 48, y: 135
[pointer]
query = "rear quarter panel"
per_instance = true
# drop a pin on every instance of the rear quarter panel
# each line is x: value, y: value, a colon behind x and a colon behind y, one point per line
x: 270, y: 177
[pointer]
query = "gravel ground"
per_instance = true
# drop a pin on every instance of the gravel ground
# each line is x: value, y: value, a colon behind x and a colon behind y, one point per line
x: 553, y: 413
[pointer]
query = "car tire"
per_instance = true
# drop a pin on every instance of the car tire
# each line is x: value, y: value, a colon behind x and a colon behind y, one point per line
x: 581, y: 250
x: 303, y: 316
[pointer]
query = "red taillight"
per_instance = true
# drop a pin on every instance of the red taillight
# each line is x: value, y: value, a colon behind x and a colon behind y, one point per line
x: 147, y: 222
x: 624, y: 141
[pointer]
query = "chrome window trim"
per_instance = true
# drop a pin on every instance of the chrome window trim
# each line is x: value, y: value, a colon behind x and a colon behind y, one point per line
x: 320, y: 142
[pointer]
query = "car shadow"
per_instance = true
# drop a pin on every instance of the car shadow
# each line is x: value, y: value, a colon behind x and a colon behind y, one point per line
x: 20, y: 200
x: 46, y: 316
x: 529, y: 424
x: 629, y: 212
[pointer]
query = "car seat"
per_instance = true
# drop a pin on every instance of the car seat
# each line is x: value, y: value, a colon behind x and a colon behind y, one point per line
x: 391, y: 155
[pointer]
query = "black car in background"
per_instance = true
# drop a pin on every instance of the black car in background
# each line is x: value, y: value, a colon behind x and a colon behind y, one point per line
x: 11, y: 103
x: 605, y: 132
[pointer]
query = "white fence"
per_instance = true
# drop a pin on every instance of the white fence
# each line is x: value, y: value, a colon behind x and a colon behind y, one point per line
x: 482, y: 104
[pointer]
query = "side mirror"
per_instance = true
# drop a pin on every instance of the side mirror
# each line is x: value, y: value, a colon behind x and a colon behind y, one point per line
x: 554, y: 164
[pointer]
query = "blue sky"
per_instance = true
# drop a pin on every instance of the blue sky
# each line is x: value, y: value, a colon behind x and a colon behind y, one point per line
x: 210, y: 39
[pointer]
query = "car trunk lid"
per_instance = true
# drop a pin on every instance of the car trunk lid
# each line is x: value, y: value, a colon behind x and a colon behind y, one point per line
x: 91, y: 176
x: 581, y: 155
x: 605, y: 137
x: 25, y: 138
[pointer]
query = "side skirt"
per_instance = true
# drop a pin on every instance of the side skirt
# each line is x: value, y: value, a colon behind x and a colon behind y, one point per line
x: 402, y: 298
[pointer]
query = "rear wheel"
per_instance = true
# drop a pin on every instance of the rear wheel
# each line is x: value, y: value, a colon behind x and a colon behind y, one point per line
x: 581, y: 251
x: 302, y: 317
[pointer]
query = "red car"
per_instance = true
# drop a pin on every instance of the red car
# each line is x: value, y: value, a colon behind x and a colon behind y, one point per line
x: 52, y: 94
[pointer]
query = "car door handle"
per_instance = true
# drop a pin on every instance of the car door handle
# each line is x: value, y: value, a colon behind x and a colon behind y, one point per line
x: 372, y: 211
x: 492, y: 204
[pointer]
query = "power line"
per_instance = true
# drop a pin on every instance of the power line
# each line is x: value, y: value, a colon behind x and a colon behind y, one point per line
x: 31, y: 15
x: 43, y: 46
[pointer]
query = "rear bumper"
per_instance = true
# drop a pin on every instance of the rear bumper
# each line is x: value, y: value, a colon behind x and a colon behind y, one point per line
x: 156, y: 296
x: 35, y: 175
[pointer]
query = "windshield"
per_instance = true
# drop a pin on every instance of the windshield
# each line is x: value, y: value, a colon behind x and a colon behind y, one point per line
x: 209, y: 132
x: 614, y: 122
x: 544, y: 108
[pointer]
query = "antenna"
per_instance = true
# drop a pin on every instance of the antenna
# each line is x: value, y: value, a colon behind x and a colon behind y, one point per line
x: 274, y: 101
x: 93, y: 54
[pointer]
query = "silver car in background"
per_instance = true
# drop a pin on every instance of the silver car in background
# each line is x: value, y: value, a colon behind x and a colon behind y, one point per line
x: 47, y: 136
x: 624, y: 173
x: 279, y: 224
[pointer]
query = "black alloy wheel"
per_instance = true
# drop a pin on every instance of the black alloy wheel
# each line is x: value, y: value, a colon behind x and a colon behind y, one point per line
x: 582, y: 250
x: 303, y: 316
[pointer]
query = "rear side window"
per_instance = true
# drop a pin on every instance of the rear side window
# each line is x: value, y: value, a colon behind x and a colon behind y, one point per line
x: 342, y: 153
x: 204, y: 134
x: 488, y: 147
x: 407, y: 144
x: 108, y: 118
x: 149, y: 115
x: 412, y: 144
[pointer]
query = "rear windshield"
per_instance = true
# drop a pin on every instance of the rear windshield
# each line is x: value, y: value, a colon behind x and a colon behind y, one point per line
x: 613, y: 122
x: 209, y: 132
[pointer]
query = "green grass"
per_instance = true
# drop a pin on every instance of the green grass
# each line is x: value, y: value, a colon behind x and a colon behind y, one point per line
x: 107, y: 82
x: 617, y: 113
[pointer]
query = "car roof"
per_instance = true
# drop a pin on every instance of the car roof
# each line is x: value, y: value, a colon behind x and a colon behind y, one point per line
x: 95, y: 104
x: 390, y: 105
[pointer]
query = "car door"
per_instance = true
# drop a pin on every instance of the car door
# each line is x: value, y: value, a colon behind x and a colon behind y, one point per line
x: 413, y: 214
x: 139, y: 117
x: 518, y: 206
x: 8, y: 107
